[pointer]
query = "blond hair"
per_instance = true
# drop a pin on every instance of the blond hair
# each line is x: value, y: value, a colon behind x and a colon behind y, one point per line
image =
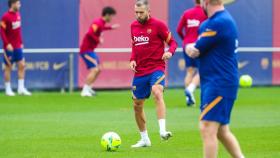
x: 214, y: 2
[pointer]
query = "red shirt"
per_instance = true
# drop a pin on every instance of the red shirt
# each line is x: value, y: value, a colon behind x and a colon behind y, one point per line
x: 11, y: 29
x: 91, y: 39
x: 190, y: 22
x: 148, y: 44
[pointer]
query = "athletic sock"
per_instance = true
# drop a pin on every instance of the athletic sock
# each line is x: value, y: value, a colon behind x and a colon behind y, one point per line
x: 144, y: 135
x: 162, y: 128
x: 191, y: 87
x: 8, y: 86
x: 86, y: 87
x: 21, y: 84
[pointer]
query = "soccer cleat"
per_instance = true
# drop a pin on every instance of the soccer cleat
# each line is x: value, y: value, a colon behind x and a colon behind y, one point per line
x: 142, y: 143
x: 166, y: 135
x: 24, y: 92
x: 10, y: 93
x: 189, y: 98
x: 93, y: 92
x: 86, y: 93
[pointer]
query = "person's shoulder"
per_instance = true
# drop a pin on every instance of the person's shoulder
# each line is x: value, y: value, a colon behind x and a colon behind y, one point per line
x: 193, y: 10
x: 6, y: 15
x: 97, y: 21
x: 222, y: 17
x: 157, y: 22
x: 188, y: 11
x: 134, y: 23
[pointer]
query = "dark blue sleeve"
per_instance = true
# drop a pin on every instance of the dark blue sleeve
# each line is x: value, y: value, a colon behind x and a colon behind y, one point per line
x: 209, y: 35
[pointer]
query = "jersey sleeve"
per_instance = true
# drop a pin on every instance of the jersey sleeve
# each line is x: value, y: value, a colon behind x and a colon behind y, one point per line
x: 93, y: 30
x: 180, y: 26
x: 209, y: 35
x: 108, y: 28
x: 166, y: 36
x: 133, y: 53
x: 3, y: 27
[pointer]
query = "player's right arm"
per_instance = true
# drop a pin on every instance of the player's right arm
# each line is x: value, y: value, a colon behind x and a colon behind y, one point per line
x: 209, y: 35
x: 133, y: 55
x: 133, y: 63
x: 180, y: 27
x: 3, y: 28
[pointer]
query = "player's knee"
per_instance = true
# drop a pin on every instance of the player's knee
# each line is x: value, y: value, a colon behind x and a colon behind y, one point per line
x: 98, y: 70
x: 8, y: 67
x: 21, y: 65
x: 157, y: 92
x: 206, y: 131
x: 95, y: 70
x: 223, y: 133
x: 138, y: 108
x: 203, y: 129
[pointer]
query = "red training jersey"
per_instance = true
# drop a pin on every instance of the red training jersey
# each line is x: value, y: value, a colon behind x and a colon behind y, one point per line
x: 190, y: 22
x: 91, y: 39
x: 10, y: 29
x: 148, y: 44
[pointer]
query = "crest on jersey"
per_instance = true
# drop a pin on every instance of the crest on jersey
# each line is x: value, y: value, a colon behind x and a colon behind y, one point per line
x: 226, y: 2
x: 149, y: 31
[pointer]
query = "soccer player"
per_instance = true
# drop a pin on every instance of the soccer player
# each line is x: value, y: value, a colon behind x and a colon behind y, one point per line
x: 90, y: 42
x: 148, y: 58
x: 12, y: 44
x: 190, y: 22
x: 216, y: 50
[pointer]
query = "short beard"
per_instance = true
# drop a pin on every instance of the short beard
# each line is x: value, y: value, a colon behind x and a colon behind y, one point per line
x: 15, y: 9
x: 142, y: 21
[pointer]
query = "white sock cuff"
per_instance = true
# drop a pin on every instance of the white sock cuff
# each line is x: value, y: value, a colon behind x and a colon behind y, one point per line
x: 162, y: 128
x: 87, y: 86
x: 8, y: 85
x: 192, y: 87
x: 144, y: 135
x: 21, y: 84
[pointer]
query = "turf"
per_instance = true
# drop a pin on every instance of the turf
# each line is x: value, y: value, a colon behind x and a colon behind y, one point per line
x: 53, y: 125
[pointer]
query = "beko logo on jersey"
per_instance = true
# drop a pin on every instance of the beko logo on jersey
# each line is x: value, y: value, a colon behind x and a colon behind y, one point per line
x: 16, y: 25
x: 141, y: 40
x: 193, y: 23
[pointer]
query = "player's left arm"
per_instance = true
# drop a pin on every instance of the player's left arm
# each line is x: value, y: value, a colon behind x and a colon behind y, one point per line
x: 207, y: 39
x: 21, y: 41
x: 180, y: 27
x: 166, y: 35
x: 112, y: 27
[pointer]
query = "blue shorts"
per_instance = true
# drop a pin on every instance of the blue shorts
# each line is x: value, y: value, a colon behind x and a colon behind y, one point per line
x: 216, y: 108
x: 11, y: 57
x: 190, y: 62
x: 142, y: 86
x: 91, y: 59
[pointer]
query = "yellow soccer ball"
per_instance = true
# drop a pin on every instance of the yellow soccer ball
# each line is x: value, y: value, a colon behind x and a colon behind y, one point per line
x: 111, y: 141
x: 245, y: 81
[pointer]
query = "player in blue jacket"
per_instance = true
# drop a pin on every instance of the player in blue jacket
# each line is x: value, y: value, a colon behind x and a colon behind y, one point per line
x: 218, y: 69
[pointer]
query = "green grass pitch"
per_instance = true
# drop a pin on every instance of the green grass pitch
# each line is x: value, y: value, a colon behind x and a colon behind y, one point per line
x: 53, y: 125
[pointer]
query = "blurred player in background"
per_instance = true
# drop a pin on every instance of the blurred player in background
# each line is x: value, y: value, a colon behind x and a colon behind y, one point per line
x: 188, y: 31
x: 90, y: 42
x: 218, y: 69
x: 148, y: 58
x: 13, y: 45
